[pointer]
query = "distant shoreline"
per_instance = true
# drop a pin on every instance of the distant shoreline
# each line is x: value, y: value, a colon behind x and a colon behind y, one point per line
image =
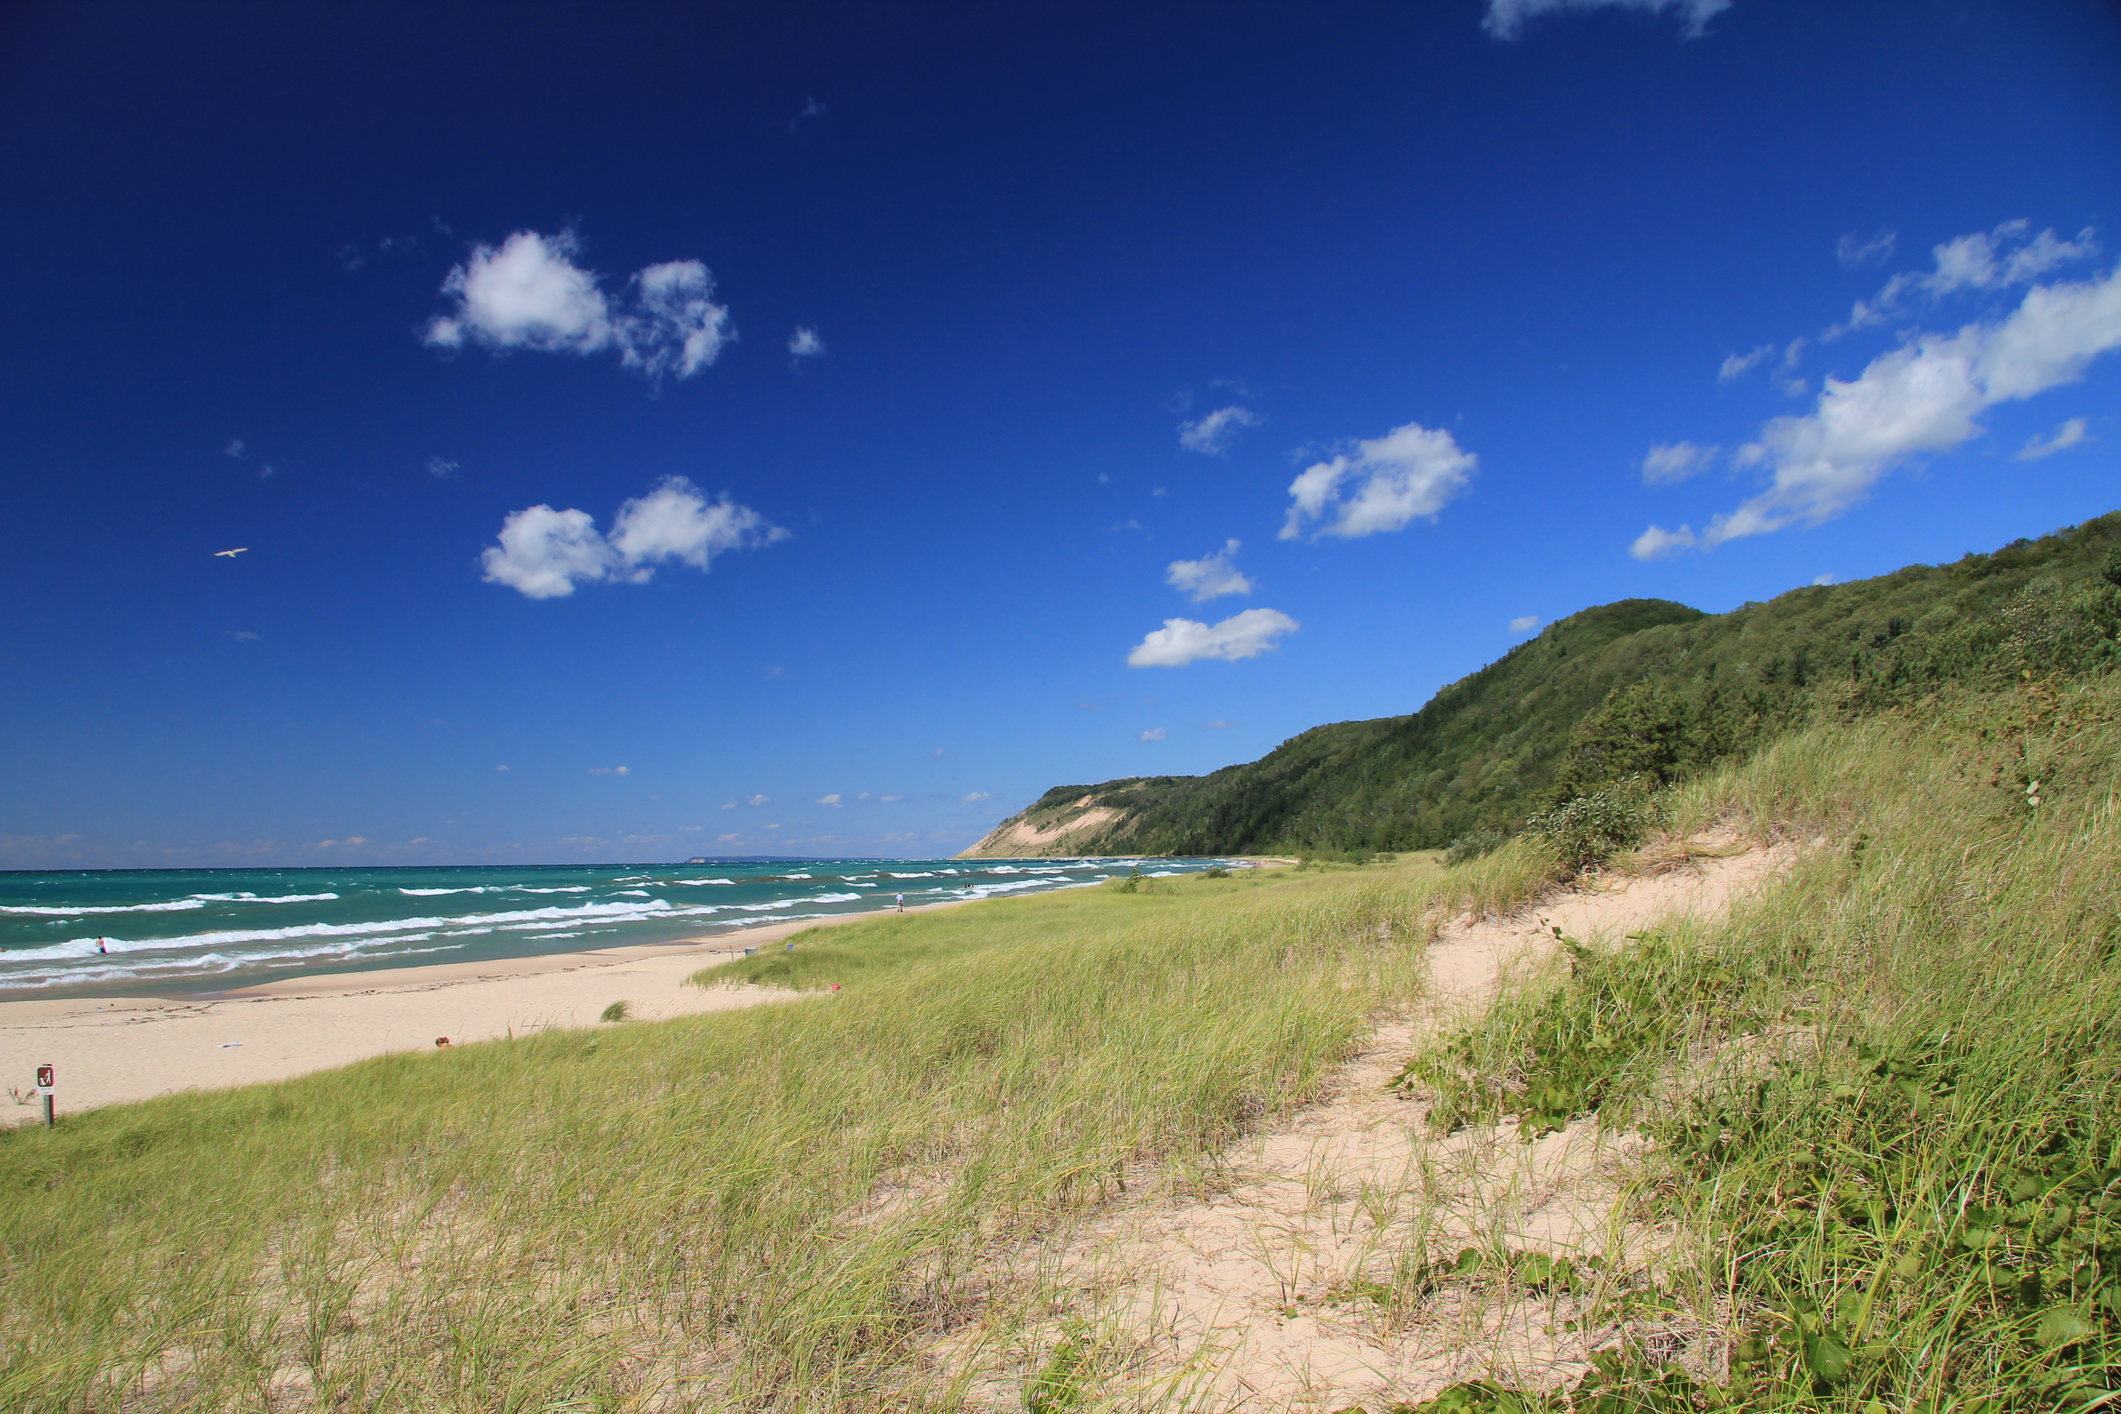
x: 196, y: 935
x: 110, y: 1050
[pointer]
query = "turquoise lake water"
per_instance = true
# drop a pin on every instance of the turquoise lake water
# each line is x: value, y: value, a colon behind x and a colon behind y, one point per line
x: 208, y: 930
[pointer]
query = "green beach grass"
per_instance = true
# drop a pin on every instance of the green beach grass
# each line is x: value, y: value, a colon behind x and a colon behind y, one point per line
x: 687, y: 1210
x: 1884, y: 1094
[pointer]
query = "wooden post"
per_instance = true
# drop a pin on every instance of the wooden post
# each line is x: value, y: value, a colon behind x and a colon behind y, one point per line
x: 44, y: 1088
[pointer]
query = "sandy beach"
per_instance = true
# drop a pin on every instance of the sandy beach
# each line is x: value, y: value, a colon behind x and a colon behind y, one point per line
x: 111, y: 1049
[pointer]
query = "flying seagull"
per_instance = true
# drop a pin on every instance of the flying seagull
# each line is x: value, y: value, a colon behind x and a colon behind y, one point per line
x: 231, y: 553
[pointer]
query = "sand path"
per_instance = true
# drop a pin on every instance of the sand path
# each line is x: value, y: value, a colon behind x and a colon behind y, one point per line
x: 1276, y: 1289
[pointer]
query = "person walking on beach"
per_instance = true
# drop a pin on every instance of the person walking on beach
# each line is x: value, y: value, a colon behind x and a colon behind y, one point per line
x: 902, y: 903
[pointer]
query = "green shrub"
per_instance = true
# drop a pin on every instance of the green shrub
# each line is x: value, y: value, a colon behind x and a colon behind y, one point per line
x: 1592, y: 828
x: 1474, y: 844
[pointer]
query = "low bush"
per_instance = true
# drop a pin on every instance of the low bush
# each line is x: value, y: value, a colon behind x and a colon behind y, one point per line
x: 1589, y: 829
x: 1474, y: 844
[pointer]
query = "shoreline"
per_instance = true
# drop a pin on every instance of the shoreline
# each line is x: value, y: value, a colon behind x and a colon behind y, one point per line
x: 110, y: 1050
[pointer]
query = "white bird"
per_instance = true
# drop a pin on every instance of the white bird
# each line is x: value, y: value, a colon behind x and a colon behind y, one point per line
x: 231, y: 553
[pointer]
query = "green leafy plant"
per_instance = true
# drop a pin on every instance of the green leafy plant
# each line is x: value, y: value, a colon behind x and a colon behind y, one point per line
x: 1059, y: 1385
x: 1589, y: 829
x: 617, y: 1011
x: 1591, y: 1044
x: 1474, y: 844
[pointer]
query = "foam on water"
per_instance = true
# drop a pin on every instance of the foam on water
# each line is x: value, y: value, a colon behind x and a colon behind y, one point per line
x: 182, y: 905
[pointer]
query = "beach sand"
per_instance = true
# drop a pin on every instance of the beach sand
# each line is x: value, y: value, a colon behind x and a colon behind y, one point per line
x: 110, y: 1049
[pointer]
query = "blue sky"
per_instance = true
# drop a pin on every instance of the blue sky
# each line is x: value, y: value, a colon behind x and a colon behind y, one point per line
x: 882, y: 414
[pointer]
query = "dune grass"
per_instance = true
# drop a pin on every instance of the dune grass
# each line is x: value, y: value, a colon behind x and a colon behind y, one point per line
x: 776, y: 1208
x: 1884, y: 1094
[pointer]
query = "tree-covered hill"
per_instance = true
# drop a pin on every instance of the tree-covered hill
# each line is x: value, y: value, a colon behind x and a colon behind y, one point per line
x: 1643, y: 684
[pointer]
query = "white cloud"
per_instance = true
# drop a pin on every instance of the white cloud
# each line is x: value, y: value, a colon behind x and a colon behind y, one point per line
x: 757, y: 800
x: 1822, y: 580
x: 2069, y: 434
x: 1738, y: 365
x: 235, y: 449
x: 674, y: 325
x: 500, y: 768
x: 804, y: 342
x: 544, y: 553
x: 1506, y: 18
x: 1183, y: 641
x: 1786, y: 371
x: 832, y: 800
x: 441, y: 468
x: 528, y: 293
x: 976, y: 797
x: 675, y: 522
x: 1219, y: 725
x: 1921, y: 398
x: 1668, y: 462
x: 1855, y: 252
x: 727, y: 839
x: 1213, y: 433
x: 1209, y: 577
x: 1524, y: 623
x: 1657, y: 542
x: 1410, y: 471
x: 1153, y: 734
x: 1984, y: 260
x: 729, y: 805
x: 610, y: 771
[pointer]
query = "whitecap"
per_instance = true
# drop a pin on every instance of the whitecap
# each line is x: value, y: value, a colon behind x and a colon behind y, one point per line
x: 253, y: 898
x: 182, y: 905
x: 78, y: 947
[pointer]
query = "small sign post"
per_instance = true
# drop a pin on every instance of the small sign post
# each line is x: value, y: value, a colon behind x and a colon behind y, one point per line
x: 44, y: 1088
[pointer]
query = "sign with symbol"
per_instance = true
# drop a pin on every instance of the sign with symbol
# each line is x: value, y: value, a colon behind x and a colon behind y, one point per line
x: 44, y: 1080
